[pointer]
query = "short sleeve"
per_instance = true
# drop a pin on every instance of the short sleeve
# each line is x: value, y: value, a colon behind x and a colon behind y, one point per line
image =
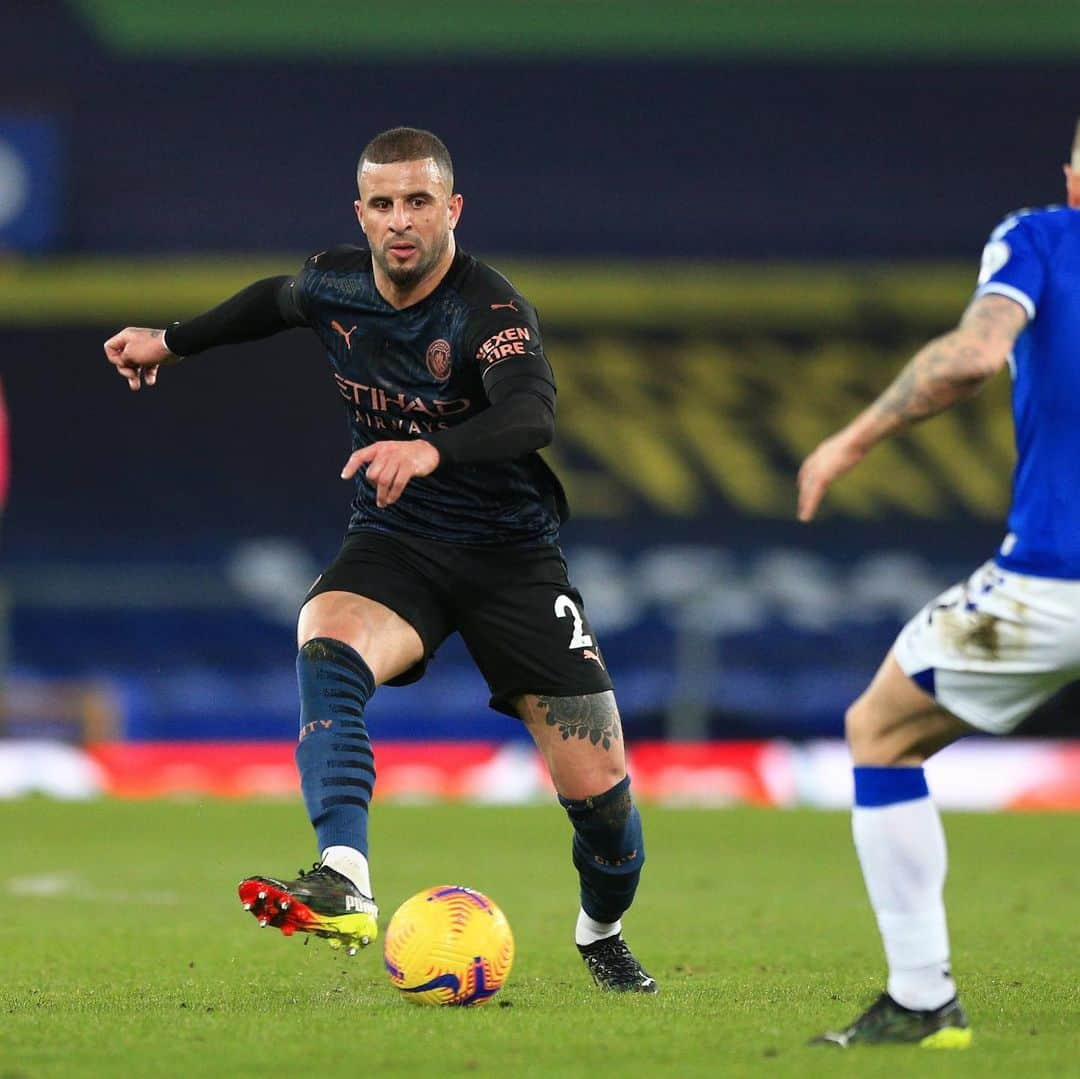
x: 1013, y: 264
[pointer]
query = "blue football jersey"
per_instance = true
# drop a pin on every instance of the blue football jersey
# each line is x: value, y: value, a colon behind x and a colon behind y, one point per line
x: 1033, y: 257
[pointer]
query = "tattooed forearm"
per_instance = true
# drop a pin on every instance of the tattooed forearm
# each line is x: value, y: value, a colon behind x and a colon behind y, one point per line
x: 593, y: 716
x: 949, y: 368
x: 942, y: 373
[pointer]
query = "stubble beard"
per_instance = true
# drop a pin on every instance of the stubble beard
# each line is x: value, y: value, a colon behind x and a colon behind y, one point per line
x: 407, y: 277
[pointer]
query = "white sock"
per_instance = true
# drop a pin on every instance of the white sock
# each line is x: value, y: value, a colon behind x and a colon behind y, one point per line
x: 349, y: 862
x: 902, y: 851
x: 589, y: 931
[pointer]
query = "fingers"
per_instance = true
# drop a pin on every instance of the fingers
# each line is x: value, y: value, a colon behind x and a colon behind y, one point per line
x: 127, y: 371
x: 131, y: 374
x: 360, y: 457
x: 388, y: 475
x: 811, y: 487
x: 392, y: 492
x: 383, y: 487
x: 389, y: 470
x: 120, y: 351
x: 810, y: 494
x: 115, y: 344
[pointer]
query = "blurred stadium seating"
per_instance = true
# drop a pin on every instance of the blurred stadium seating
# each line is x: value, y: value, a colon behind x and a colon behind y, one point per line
x: 733, y: 233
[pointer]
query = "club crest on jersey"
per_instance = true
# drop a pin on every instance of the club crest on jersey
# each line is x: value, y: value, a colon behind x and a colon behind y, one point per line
x: 438, y: 359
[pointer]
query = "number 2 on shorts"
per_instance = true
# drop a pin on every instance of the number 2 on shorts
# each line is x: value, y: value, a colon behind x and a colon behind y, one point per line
x: 564, y: 605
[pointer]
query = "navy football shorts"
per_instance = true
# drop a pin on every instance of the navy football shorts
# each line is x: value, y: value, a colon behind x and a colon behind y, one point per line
x: 520, y: 618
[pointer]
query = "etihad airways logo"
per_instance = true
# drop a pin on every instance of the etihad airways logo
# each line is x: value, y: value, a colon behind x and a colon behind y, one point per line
x: 378, y: 400
x: 374, y: 407
x: 508, y: 342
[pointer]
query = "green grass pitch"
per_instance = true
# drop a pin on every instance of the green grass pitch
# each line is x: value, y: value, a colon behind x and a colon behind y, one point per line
x: 134, y: 957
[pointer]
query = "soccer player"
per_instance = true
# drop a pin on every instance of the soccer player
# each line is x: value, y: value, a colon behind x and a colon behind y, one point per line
x: 981, y: 656
x: 454, y: 528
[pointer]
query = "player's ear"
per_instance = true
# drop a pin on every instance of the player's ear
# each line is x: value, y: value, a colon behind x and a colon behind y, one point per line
x: 358, y: 206
x: 455, y: 204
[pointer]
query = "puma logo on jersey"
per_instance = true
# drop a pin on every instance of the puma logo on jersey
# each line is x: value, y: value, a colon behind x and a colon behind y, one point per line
x: 338, y: 328
x: 588, y: 653
x: 498, y: 306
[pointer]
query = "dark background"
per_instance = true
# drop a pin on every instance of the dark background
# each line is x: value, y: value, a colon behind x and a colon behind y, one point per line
x: 703, y: 156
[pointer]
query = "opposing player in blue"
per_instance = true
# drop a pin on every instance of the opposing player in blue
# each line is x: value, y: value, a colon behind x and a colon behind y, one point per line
x: 984, y: 654
x: 439, y: 364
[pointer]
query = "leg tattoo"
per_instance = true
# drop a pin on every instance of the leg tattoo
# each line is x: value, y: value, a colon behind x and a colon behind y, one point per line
x: 593, y: 716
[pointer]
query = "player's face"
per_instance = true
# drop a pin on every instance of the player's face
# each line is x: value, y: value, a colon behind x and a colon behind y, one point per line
x: 407, y: 214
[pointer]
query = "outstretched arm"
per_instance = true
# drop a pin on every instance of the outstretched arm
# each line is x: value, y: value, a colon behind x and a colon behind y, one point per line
x: 944, y: 371
x: 264, y: 308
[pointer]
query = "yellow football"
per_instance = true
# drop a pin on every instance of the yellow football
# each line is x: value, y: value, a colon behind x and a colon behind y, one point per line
x: 448, y: 945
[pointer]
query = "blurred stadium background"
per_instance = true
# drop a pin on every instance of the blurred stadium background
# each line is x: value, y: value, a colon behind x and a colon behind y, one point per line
x: 736, y: 220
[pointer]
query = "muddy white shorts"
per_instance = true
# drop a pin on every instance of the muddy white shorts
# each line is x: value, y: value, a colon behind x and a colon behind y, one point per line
x: 994, y: 647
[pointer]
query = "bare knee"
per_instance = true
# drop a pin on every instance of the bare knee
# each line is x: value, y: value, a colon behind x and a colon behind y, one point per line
x: 384, y: 640
x: 878, y: 735
x: 869, y: 736
x: 590, y: 783
x: 580, y: 739
x: 325, y: 619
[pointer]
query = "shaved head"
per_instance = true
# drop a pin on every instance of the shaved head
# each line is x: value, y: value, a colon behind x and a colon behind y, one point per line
x: 408, y: 144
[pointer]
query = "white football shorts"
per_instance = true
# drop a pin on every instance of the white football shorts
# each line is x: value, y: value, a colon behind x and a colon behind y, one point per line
x: 998, y: 644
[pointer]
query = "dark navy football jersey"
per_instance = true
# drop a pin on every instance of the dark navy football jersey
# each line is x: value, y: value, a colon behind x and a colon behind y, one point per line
x: 405, y: 373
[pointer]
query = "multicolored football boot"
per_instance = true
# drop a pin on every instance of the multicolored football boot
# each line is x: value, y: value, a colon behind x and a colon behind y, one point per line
x: 321, y: 901
x: 886, y: 1022
x: 613, y: 966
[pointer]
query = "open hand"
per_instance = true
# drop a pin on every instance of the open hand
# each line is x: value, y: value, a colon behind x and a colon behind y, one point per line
x: 390, y: 466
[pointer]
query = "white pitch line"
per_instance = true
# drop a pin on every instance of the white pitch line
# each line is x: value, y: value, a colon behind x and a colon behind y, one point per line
x: 67, y: 885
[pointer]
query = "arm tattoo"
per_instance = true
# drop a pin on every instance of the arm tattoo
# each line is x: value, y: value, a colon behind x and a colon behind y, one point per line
x: 954, y: 366
x: 929, y: 383
x: 593, y: 716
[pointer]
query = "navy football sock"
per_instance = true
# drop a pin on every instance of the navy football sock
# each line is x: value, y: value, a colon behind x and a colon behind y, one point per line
x: 609, y: 850
x: 334, y: 757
